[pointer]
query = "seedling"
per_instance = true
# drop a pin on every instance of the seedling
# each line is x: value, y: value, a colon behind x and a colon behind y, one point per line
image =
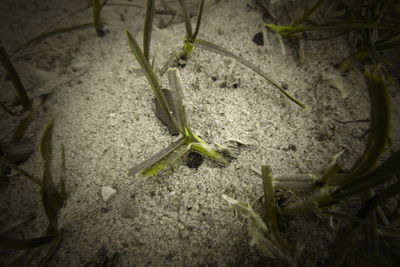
x: 97, y: 6
x: 189, y: 140
x: 190, y: 35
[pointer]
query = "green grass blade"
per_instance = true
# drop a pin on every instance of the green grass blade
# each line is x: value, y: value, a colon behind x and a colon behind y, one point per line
x: 378, y: 131
x: 20, y: 244
x: 15, y: 79
x: 270, y: 209
x: 13, y: 226
x: 340, y: 25
x: 219, y: 50
x: 11, y: 165
x: 160, y: 160
x: 208, y: 151
x: 148, y: 25
x: 51, y: 198
x: 188, y: 24
x: 197, y: 29
x: 175, y: 82
x: 151, y: 78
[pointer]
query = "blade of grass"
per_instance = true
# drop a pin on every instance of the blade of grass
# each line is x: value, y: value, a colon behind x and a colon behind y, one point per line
x: 152, y: 79
x: 11, y: 165
x: 205, y: 45
x: 51, y: 198
x: 188, y: 24
x: 270, y: 208
x: 148, y: 25
x: 208, y: 151
x: 340, y: 25
x: 15, y: 79
x: 158, y: 161
x: 197, y: 29
x: 63, y: 171
x: 175, y: 82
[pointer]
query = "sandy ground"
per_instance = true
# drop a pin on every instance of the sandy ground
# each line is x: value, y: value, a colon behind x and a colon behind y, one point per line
x: 105, y: 118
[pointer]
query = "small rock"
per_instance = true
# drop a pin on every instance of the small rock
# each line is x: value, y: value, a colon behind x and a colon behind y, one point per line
x: 107, y: 193
x: 258, y: 38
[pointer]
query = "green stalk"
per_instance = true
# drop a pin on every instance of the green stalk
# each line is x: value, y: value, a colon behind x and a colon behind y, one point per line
x: 148, y: 25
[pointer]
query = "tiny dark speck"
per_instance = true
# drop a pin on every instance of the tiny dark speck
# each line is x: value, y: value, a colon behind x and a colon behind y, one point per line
x: 194, y: 160
x: 213, y: 78
x: 258, y: 38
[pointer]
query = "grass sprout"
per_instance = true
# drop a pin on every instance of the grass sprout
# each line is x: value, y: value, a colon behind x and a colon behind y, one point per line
x: 97, y: 6
x: 206, y: 45
x: 190, y: 35
x: 189, y: 140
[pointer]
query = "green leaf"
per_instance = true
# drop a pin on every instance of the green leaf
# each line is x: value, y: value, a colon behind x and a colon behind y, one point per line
x: 188, y: 24
x: 52, y: 199
x: 148, y: 25
x: 19, y: 244
x: 159, y: 161
x: 175, y: 83
x: 197, y: 29
x: 11, y: 165
x: 219, y: 50
x: 208, y: 151
x: 151, y: 78
x: 378, y: 132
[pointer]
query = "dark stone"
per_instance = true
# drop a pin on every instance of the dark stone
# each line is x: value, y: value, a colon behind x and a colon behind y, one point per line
x: 194, y: 160
x: 258, y: 38
x: 213, y: 78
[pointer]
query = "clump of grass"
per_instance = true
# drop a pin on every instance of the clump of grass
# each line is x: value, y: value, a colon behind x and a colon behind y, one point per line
x: 53, y: 200
x: 12, y: 73
x: 372, y: 27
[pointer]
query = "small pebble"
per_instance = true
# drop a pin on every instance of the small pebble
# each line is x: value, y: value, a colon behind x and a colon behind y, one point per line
x: 107, y: 193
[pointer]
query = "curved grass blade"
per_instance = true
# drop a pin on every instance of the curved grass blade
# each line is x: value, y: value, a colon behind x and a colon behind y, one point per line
x: 208, y: 151
x: 378, y: 131
x: 197, y: 29
x: 160, y: 160
x: 11, y: 165
x: 188, y: 24
x: 20, y: 244
x: 340, y: 25
x: 148, y: 25
x: 11, y: 71
x: 63, y: 171
x: 52, y: 199
x: 152, y: 79
x: 219, y: 50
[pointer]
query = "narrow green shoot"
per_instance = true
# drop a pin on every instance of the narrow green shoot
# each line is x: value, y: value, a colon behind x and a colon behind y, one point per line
x: 148, y: 25
x: 11, y: 165
x: 97, y: 6
x: 21, y: 244
x: 15, y: 79
x: 190, y: 35
x: 205, y: 45
x: 308, y: 13
x: 10, y: 228
x: 52, y: 199
x: 22, y: 127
